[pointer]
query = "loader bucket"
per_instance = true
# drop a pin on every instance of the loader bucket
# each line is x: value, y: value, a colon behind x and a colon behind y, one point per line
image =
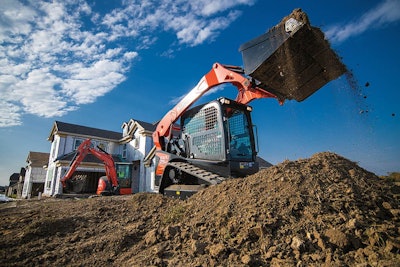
x: 292, y: 60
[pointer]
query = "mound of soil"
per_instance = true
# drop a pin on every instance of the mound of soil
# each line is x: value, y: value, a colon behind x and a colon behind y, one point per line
x: 321, y: 211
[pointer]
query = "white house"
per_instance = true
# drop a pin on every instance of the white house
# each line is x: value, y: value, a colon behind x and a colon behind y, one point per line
x: 136, y: 143
x: 128, y: 147
x: 35, y: 174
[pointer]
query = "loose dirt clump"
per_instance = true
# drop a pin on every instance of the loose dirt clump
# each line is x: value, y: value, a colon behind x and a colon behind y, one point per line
x: 321, y: 211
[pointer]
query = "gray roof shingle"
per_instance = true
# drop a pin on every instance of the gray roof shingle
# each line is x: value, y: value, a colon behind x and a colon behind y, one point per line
x: 37, y: 159
x: 147, y: 126
x: 63, y: 127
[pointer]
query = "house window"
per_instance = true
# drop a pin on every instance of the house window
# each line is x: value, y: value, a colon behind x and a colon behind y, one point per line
x: 136, y: 143
x: 77, y: 143
x: 50, y: 174
x: 124, y: 151
x: 54, y: 148
x: 103, y: 145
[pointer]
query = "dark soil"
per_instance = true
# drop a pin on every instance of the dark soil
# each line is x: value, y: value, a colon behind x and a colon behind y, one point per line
x: 295, y: 65
x: 321, y: 211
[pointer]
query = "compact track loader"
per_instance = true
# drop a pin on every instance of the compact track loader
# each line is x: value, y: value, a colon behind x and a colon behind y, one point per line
x: 216, y: 140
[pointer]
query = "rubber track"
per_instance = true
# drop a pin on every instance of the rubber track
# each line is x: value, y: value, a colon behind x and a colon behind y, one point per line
x: 195, y: 171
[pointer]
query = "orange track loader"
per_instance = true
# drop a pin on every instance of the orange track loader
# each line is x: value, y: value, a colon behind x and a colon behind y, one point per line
x: 216, y: 141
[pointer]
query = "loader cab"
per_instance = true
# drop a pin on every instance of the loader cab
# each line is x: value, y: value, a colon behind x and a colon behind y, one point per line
x: 219, y: 137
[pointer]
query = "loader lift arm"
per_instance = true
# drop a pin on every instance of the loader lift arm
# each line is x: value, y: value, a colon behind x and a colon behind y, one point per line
x: 81, y: 152
x: 219, y: 74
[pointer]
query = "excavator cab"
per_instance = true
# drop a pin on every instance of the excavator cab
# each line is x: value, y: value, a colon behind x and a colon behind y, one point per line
x: 124, y: 176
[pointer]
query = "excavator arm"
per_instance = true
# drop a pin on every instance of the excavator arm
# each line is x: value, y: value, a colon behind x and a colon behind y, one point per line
x: 219, y: 74
x: 81, y: 153
x: 109, y: 164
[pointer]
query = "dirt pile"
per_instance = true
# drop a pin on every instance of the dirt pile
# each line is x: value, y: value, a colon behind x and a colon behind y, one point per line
x: 324, y: 210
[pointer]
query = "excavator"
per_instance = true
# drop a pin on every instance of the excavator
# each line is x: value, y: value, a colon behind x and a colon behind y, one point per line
x: 117, y: 180
x: 217, y: 140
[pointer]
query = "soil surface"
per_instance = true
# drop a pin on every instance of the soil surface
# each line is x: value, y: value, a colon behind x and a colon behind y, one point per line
x: 321, y: 211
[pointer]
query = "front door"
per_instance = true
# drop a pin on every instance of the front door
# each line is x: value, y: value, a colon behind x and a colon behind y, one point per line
x: 135, y: 176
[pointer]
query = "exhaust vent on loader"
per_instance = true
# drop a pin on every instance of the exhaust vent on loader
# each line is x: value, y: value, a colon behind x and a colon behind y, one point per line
x: 292, y: 60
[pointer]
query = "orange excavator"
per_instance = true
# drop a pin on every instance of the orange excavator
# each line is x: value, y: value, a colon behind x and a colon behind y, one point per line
x: 217, y: 140
x: 107, y: 185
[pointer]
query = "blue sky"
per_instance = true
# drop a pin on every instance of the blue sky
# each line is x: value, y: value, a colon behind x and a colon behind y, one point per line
x: 100, y: 63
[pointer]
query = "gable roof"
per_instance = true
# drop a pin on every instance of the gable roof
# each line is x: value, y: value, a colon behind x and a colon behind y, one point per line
x: 14, y: 178
x: 147, y: 126
x: 131, y: 126
x: 37, y: 159
x: 74, y: 129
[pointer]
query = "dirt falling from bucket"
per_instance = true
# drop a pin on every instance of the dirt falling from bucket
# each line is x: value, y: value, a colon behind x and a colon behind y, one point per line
x: 358, y: 93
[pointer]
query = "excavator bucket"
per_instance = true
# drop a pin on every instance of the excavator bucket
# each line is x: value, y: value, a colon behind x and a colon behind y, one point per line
x: 293, y: 59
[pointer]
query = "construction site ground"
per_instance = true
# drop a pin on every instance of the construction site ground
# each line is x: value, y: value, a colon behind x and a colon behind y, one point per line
x: 320, y: 211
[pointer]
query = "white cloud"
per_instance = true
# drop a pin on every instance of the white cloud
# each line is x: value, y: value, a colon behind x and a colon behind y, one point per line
x: 58, y: 55
x: 98, y: 79
x: 15, y: 19
x: 208, y: 8
x: 386, y: 12
x: 10, y: 114
x: 193, y: 22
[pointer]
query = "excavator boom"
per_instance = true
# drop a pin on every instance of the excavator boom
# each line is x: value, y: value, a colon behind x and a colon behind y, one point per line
x: 80, y: 155
x: 85, y: 148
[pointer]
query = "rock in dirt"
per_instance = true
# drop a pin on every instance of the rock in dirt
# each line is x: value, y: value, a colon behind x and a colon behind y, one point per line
x: 320, y: 211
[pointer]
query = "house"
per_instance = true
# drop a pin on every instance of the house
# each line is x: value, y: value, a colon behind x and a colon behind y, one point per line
x: 13, y: 185
x: 20, y: 184
x: 34, y: 176
x: 128, y: 147
x: 137, y: 142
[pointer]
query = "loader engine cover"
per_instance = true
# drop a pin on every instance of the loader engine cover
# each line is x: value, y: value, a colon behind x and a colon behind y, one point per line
x: 293, y: 59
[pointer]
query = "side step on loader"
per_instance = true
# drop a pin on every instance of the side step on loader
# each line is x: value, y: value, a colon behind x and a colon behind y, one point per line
x: 292, y: 60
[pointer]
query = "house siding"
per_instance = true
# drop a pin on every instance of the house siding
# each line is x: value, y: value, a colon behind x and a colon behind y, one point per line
x: 34, y: 175
x: 138, y: 148
x: 138, y: 143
